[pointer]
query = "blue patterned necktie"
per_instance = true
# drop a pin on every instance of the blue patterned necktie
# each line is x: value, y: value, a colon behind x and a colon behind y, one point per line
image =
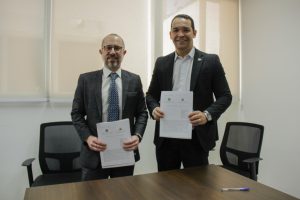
x: 113, y: 99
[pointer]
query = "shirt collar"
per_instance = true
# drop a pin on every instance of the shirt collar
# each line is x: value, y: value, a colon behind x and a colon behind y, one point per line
x: 190, y: 54
x: 107, y: 72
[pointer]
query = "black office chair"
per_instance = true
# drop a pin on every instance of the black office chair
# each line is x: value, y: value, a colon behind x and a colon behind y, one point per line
x: 59, y: 152
x: 240, y: 148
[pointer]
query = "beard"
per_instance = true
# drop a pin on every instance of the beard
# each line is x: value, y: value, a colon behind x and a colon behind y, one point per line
x: 113, y: 64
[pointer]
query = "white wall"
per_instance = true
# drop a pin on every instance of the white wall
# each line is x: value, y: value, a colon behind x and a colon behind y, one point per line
x: 270, y: 81
x: 269, y: 51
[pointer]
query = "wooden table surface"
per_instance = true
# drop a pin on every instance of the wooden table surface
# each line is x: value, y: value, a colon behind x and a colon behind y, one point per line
x: 192, y: 183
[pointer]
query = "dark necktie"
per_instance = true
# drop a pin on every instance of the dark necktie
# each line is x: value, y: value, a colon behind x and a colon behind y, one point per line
x: 113, y: 99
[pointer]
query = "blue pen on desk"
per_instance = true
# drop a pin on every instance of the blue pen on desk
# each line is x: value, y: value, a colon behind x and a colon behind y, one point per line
x: 235, y: 189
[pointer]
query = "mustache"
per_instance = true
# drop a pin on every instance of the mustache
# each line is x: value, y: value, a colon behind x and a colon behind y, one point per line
x: 181, y: 39
x: 112, y: 58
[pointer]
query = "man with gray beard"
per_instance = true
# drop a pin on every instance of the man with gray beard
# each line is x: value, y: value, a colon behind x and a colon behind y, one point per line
x: 93, y: 104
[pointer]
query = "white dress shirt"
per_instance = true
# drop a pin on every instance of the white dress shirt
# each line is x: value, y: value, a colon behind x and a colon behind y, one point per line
x: 182, y: 71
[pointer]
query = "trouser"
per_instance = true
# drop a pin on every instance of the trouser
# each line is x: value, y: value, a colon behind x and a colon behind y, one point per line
x: 99, y: 173
x: 174, y: 152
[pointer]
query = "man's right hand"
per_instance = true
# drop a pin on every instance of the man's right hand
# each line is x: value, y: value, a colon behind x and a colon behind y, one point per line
x: 157, y: 113
x: 95, y: 144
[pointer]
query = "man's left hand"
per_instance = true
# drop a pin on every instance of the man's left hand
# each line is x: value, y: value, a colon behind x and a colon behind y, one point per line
x: 197, y: 118
x: 132, y: 143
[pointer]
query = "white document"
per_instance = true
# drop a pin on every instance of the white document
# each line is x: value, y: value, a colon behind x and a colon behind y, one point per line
x: 176, y: 105
x: 114, y: 134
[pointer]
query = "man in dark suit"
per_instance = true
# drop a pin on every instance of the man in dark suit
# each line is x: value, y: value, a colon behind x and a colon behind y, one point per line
x: 188, y: 69
x: 92, y: 103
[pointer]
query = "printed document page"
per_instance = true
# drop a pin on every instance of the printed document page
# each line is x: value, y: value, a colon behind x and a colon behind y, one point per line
x: 176, y: 105
x: 114, y: 134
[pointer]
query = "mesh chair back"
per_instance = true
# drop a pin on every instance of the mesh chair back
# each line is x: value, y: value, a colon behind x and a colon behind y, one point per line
x: 59, y: 148
x: 241, y: 141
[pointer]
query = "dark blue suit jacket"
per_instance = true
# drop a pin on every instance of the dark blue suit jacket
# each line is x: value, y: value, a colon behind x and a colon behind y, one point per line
x: 208, y: 81
x: 87, y: 110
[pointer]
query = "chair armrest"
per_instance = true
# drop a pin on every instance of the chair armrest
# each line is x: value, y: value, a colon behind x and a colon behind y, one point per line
x: 28, y: 163
x: 252, y: 167
x: 252, y: 160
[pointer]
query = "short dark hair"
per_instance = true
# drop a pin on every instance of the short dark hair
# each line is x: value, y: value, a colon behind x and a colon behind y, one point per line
x: 185, y: 17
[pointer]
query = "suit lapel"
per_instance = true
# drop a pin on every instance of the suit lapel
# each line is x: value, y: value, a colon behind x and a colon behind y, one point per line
x: 125, y: 85
x: 168, y: 75
x: 98, y: 92
x: 197, y: 64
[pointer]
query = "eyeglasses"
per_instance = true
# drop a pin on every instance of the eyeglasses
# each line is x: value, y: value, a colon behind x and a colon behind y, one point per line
x: 110, y: 47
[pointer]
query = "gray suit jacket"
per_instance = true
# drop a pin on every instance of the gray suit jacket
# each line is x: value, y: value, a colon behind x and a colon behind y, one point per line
x: 208, y: 81
x: 87, y: 110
